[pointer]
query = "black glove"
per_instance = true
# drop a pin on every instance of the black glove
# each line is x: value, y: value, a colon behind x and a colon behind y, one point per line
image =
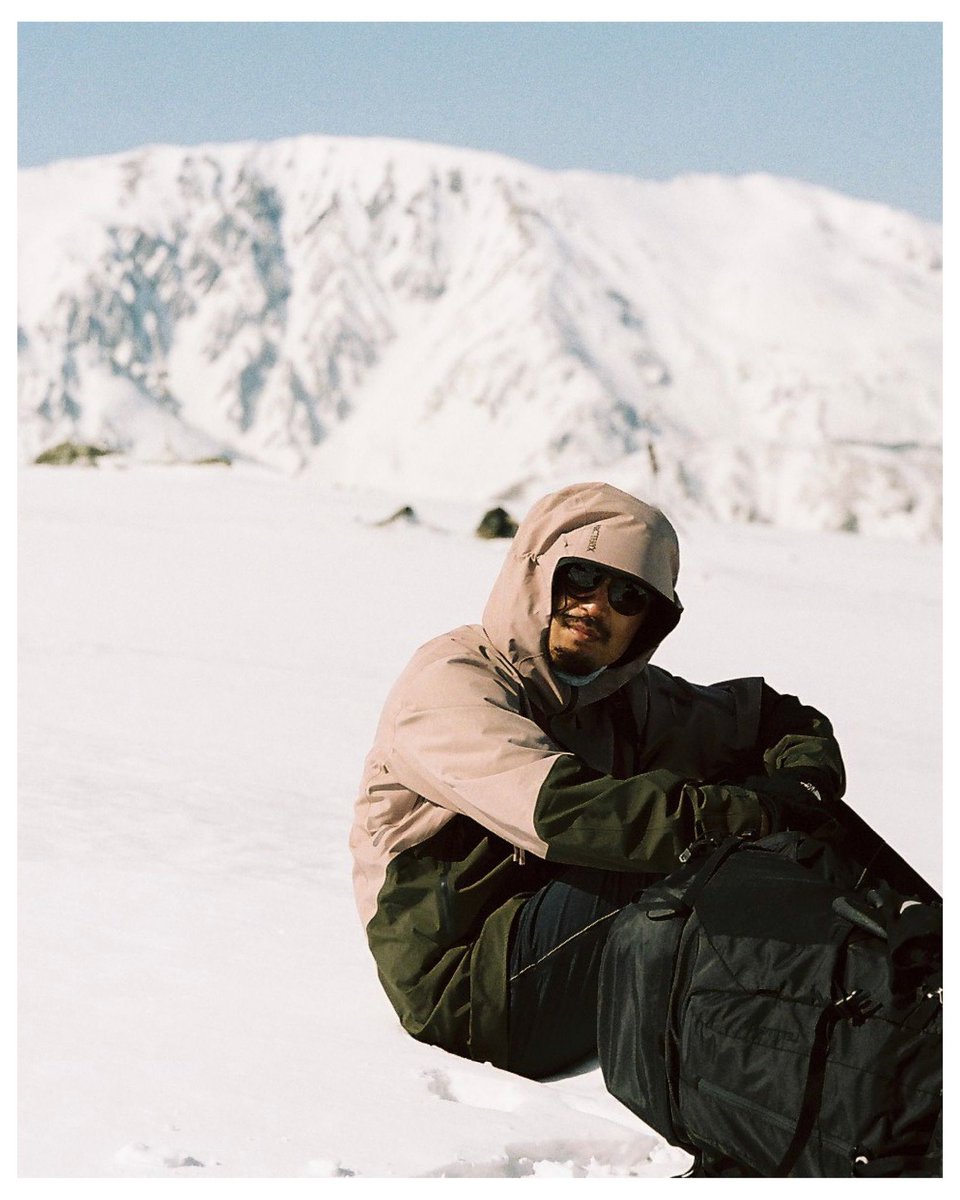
x: 800, y: 798
x: 915, y: 949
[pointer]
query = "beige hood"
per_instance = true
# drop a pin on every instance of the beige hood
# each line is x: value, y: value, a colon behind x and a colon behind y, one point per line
x: 596, y: 522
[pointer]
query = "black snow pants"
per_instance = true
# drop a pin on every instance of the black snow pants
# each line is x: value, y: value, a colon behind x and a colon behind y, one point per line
x: 554, y: 968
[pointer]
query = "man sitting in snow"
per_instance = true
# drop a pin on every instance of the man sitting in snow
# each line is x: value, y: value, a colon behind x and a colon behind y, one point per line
x: 531, y: 774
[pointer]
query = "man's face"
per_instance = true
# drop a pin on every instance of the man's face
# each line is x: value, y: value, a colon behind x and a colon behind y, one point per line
x: 586, y: 631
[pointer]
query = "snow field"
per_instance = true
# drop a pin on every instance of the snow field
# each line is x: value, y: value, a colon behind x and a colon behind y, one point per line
x: 203, y: 657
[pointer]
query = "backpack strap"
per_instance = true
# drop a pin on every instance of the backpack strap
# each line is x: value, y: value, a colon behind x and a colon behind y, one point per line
x: 685, y: 903
x: 812, y: 1090
x: 857, y: 1006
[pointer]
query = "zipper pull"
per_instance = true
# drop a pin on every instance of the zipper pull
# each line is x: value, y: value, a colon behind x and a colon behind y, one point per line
x: 519, y: 856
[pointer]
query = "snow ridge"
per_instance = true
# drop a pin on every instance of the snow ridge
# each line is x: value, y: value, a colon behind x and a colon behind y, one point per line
x: 450, y: 323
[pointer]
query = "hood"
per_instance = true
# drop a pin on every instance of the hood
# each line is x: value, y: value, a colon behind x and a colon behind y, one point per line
x: 597, y: 522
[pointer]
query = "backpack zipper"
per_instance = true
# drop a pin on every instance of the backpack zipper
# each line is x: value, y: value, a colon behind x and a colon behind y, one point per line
x: 784, y: 1123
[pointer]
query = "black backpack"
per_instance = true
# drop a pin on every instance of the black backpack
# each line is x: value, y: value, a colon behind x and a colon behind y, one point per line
x: 775, y: 1010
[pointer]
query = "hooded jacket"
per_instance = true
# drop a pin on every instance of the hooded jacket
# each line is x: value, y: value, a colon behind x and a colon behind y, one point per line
x: 488, y: 774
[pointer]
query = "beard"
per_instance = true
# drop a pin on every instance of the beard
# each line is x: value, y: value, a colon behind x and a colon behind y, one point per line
x: 582, y: 658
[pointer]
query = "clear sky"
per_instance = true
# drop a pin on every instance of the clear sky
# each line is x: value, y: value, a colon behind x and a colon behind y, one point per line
x: 852, y: 105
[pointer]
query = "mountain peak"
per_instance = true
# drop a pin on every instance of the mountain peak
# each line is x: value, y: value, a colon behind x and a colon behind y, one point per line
x: 455, y: 322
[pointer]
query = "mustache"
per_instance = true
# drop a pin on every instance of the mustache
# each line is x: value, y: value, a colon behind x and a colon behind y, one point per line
x: 565, y: 617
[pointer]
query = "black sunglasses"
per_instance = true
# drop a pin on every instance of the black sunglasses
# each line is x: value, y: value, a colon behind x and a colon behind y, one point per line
x: 626, y: 596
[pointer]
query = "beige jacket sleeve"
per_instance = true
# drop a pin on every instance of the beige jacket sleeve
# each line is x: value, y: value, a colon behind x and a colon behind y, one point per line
x: 461, y: 740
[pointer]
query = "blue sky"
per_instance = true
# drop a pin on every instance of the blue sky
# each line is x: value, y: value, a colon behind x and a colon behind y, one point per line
x: 854, y: 106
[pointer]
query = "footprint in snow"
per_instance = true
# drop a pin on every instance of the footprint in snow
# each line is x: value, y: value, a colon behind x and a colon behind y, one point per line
x: 481, y: 1090
x: 566, y: 1158
x: 140, y: 1156
x: 327, y: 1168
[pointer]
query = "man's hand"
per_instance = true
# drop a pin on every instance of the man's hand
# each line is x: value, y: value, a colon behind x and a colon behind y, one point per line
x: 796, y: 798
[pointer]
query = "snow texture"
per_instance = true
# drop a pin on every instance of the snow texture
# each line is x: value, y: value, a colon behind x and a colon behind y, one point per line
x: 375, y: 312
x: 204, y: 653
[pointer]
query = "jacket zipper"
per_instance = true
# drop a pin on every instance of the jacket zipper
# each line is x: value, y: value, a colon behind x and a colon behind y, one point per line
x: 446, y: 923
x: 571, y: 703
x: 519, y: 855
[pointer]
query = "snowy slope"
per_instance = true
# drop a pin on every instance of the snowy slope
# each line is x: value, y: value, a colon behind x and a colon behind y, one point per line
x: 400, y: 315
x: 204, y: 653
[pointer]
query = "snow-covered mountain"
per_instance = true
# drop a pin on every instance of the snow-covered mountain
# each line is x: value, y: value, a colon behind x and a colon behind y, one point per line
x: 442, y: 322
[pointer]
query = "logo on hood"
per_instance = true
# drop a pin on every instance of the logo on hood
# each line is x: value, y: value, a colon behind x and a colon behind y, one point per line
x: 594, y: 538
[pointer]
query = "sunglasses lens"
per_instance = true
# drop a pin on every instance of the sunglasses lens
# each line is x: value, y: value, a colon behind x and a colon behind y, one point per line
x: 581, y: 578
x: 626, y: 597
x: 629, y: 599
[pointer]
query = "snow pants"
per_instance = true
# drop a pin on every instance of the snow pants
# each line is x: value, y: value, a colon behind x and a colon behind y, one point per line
x: 554, y: 968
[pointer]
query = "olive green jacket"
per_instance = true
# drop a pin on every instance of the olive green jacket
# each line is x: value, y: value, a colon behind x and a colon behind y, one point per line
x: 488, y: 774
